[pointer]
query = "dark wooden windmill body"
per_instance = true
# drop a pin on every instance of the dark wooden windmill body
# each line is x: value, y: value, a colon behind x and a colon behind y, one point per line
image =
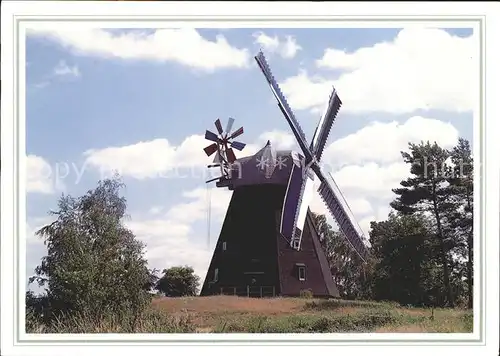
x: 269, y: 245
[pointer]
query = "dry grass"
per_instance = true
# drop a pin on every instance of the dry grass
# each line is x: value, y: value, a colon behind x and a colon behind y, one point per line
x: 240, y: 314
x: 274, y: 315
x: 217, y: 304
x: 410, y: 328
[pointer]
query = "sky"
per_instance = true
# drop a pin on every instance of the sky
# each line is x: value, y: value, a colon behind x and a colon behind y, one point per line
x: 139, y: 101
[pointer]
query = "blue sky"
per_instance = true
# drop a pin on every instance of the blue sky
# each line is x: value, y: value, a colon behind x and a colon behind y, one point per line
x: 140, y: 100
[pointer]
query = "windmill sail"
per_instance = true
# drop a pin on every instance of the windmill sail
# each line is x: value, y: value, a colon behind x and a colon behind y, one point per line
x: 229, y: 126
x: 238, y: 145
x: 323, y: 130
x: 298, y: 195
x: 331, y: 195
x: 296, y: 198
x: 218, y: 125
x: 209, y: 135
x: 293, y: 195
x: 302, y: 208
x: 283, y: 104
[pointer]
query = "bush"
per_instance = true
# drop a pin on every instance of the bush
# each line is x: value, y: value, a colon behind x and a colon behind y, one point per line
x: 306, y: 293
x: 94, y: 264
x: 178, y: 282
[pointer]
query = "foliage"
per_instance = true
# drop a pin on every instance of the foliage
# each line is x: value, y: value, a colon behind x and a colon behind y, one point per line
x: 94, y: 264
x: 428, y: 191
x: 461, y: 220
x: 178, y: 282
x: 346, y: 267
x: 306, y: 293
x: 422, y: 253
x: 402, y: 245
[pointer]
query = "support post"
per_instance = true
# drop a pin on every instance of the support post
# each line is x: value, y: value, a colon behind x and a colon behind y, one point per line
x: 234, y: 291
x: 274, y: 292
x: 261, y: 291
x: 221, y: 291
x: 248, y: 291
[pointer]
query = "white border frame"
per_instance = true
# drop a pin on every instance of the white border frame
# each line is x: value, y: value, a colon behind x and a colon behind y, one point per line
x: 276, y: 15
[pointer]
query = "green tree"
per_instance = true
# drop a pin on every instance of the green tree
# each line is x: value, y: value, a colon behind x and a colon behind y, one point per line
x: 93, y: 263
x: 428, y: 191
x: 348, y: 271
x: 403, y: 251
x: 178, y: 282
x: 462, y: 218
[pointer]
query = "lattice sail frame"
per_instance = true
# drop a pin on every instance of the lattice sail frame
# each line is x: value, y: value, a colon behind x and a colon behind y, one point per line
x: 301, y: 182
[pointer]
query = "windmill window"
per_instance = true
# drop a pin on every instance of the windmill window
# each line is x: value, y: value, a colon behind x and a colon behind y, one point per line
x: 216, y: 275
x: 296, y: 244
x: 301, y: 269
x: 224, y: 246
x: 302, y: 273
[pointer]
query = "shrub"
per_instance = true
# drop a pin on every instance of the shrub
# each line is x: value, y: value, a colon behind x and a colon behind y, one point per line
x: 306, y: 293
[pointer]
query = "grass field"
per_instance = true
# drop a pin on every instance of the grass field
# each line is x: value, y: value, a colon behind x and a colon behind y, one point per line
x: 282, y: 315
x: 224, y: 314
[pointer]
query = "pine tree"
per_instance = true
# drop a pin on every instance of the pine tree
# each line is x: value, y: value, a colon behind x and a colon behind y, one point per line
x: 428, y: 191
x: 462, y: 220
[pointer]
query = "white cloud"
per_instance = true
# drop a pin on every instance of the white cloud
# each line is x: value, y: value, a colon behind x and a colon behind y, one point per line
x: 185, y: 46
x: 62, y: 69
x: 160, y: 159
x: 309, y: 92
x: 422, y: 68
x: 371, y: 180
x: 197, y: 207
x: 157, y: 228
x: 359, y: 206
x: 286, y: 48
x: 379, y: 214
x: 151, y: 159
x: 383, y: 142
x: 155, y: 210
x: 170, y: 243
x: 38, y: 175
x: 171, y: 240
x: 280, y: 140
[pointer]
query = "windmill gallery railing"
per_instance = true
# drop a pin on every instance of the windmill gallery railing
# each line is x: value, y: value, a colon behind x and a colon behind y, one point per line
x: 249, y: 291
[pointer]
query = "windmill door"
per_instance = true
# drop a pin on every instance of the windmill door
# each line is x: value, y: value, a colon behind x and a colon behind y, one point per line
x: 254, y: 278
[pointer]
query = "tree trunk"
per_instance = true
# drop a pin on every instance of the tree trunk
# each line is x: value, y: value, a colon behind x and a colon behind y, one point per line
x: 446, y: 272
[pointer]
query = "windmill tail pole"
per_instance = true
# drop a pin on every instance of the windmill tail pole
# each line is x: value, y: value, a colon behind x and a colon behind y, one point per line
x: 208, y: 216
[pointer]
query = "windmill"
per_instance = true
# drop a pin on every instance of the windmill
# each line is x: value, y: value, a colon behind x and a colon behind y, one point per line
x: 268, y: 243
x: 222, y: 146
